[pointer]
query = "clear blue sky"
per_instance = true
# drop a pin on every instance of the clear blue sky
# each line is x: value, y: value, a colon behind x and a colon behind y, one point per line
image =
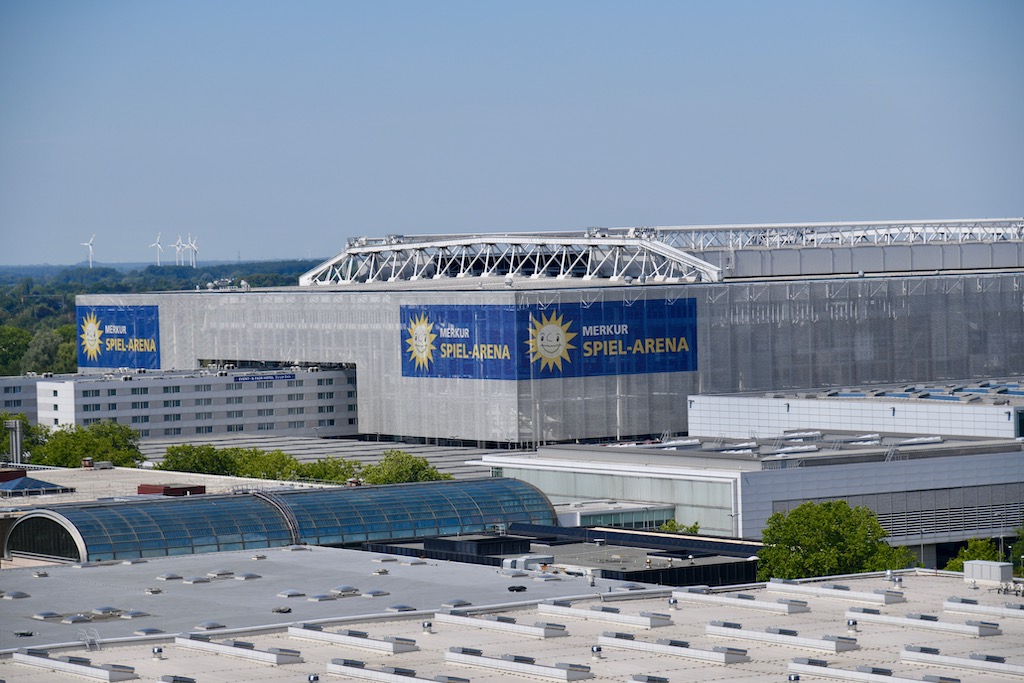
x: 279, y: 129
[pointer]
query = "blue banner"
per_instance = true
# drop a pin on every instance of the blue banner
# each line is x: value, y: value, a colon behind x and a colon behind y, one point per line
x: 570, y: 340
x: 118, y: 336
x: 473, y: 342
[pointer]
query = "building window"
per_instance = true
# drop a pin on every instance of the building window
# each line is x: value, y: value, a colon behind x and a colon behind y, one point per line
x: 111, y: 406
x: 90, y: 421
x: 204, y: 387
x: 172, y: 431
x: 204, y: 401
x: 91, y: 407
x: 144, y: 433
x: 204, y: 429
x: 172, y: 417
x: 296, y: 411
x: 233, y: 386
x: 56, y: 421
x: 324, y: 395
x: 264, y: 412
x: 111, y: 392
x: 204, y: 416
x: 12, y: 403
x: 352, y: 420
x: 295, y: 382
x: 296, y: 424
x: 352, y: 408
x: 140, y: 405
x: 90, y: 393
x: 325, y: 423
x: 234, y: 400
x: 325, y: 409
x: 264, y: 426
x: 265, y: 398
x: 56, y: 407
x: 296, y: 397
x: 140, y: 391
x: 54, y: 392
x: 12, y: 390
x: 325, y: 382
x: 264, y: 385
x: 173, y: 403
x: 352, y: 394
x: 236, y: 428
x: 172, y: 389
x: 140, y: 419
x: 234, y: 413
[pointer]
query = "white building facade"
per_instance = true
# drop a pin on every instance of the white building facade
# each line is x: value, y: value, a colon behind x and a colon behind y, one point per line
x: 292, y: 402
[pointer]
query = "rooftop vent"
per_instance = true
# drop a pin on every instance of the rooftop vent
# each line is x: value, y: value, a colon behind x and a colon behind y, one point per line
x: 149, y: 631
x: 209, y: 625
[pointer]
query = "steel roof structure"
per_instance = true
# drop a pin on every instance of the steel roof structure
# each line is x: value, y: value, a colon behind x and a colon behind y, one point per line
x: 658, y: 254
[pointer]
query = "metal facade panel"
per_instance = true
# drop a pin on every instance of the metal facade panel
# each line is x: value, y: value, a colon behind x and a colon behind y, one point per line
x: 751, y: 336
x: 919, y: 496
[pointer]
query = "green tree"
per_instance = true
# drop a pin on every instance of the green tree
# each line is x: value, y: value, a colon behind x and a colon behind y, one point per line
x: 398, y: 467
x: 258, y: 464
x: 976, y: 549
x: 32, y: 436
x: 42, y: 352
x: 825, y: 539
x: 338, y: 470
x: 674, y: 527
x: 66, y: 359
x: 202, y: 459
x: 14, y: 342
x: 103, y: 441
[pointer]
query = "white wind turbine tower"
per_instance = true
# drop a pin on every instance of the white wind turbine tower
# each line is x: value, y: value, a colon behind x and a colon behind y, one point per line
x: 89, y: 244
x: 177, y: 251
x: 194, y: 248
x: 159, y: 249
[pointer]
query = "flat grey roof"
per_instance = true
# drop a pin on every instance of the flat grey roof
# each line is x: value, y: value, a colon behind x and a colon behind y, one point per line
x: 992, y: 391
x: 245, y: 609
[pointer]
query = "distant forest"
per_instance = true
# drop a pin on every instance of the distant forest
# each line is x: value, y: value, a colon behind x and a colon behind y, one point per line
x: 37, y: 303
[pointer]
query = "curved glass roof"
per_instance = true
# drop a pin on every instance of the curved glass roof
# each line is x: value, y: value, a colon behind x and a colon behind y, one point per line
x: 152, y: 527
x: 343, y: 516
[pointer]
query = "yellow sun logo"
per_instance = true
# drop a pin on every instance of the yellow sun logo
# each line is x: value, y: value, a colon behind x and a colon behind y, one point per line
x: 91, y: 334
x: 421, y: 341
x: 549, y: 341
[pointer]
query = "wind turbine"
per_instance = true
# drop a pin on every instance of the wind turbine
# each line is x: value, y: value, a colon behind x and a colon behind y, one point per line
x: 194, y: 247
x: 159, y: 249
x: 177, y: 251
x: 89, y: 244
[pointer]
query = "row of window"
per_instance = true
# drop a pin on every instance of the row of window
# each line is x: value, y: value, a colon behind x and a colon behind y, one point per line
x: 231, y: 400
x: 144, y: 404
x: 176, y: 388
x: 141, y: 391
x: 208, y: 429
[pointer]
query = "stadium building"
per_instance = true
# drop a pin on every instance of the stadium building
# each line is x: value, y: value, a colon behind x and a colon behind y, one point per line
x: 519, y: 340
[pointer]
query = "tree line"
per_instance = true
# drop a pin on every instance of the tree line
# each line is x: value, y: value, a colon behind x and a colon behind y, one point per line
x: 37, y: 303
x: 118, y: 444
